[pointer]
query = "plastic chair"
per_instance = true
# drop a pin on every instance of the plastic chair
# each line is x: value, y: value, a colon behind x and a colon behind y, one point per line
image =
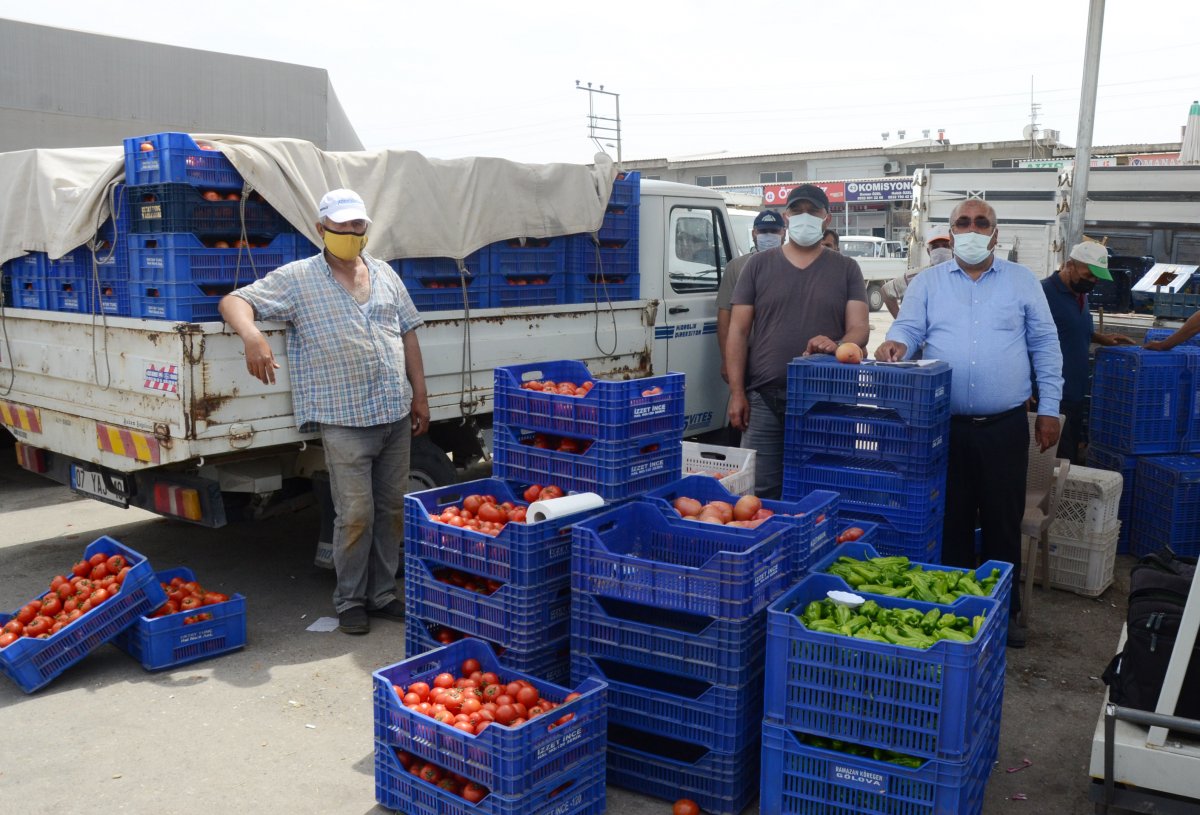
x: 1044, y: 484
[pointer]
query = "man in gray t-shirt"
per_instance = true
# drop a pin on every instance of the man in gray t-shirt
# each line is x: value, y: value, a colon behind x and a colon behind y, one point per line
x: 798, y: 299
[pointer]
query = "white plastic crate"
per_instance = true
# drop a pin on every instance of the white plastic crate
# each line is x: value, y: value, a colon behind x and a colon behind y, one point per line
x: 1083, y: 566
x: 1089, y: 504
x: 734, y: 465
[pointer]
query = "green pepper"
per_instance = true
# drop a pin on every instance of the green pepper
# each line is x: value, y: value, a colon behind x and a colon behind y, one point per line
x: 906, y: 761
x: 977, y: 623
x: 813, y: 611
x: 930, y: 619
x: 841, y: 615
x: 869, y: 609
x: 920, y: 586
x: 948, y: 621
x: 953, y: 635
x: 968, y: 586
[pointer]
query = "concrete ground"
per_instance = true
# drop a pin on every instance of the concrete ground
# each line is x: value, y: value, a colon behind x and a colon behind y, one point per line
x: 286, y: 723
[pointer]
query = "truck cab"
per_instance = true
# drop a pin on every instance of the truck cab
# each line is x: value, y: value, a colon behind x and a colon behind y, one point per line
x: 880, y: 260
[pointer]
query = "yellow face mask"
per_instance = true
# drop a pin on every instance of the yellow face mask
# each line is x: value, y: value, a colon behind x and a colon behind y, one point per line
x: 344, y: 245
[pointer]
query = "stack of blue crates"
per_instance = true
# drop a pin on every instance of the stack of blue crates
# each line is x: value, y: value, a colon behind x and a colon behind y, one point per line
x: 193, y: 237
x: 606, y: 269
x: 618, y: 440
x: 671, y: 614
x: 526, y: 619
x: 1166, y: 505
x: 879, y: 435
x: 1145, y: 404
x: 940, y: 707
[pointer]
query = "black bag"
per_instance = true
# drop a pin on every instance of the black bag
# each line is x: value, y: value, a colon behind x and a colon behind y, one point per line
x: 1158, y: 590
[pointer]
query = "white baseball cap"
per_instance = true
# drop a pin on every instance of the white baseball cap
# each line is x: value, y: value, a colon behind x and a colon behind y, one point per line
x: 938, y: 232
x: 1094, y: 256
x: 340, y: 206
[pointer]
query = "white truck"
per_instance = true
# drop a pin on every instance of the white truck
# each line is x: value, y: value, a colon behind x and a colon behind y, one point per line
x: 880, y: 260
x: 164, y: 416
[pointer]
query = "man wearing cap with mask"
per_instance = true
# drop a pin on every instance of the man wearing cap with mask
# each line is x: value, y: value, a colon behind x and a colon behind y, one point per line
x: 831, y: 240
x: 357, y: 375
x: 986, y: 317
x: 1066, y: 292
x: 800, y: 298
x: 766, y: 234
x: 939, y: 252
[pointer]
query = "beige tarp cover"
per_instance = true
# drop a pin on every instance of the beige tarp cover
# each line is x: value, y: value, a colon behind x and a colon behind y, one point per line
x: 52, y: 200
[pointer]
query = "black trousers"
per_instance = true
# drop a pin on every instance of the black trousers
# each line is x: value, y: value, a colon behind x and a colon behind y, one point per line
x: 985, y: 481
x: 1072, y: 431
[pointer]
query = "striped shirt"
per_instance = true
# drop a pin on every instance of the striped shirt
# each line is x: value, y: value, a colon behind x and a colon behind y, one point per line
x: 346, y: 362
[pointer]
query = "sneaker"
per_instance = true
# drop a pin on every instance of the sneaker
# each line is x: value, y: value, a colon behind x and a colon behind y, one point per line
x: 354, y: 621
x: 392, y: 611
x: 1016, y: 633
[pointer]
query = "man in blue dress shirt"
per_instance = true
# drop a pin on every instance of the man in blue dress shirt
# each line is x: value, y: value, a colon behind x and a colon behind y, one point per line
x: 987, y: 317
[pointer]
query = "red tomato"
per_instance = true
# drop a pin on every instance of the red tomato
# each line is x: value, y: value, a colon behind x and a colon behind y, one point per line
x: 189, y: 603
x: 406, y: 760
x: 685, y: 806
x: 505, y: 714
x: 38, y: 625
x: 431, y: 773
x: 14, y: 626
x: 474, y: 793
x: 420, y: 689
x: 52, y: 606
x: 528, y: 696
x: 469, y: 667
x: 531, y: 493
x: 7, y: 639
x: 81, y: 568
x: 211, y: 598
x: 115, y: 564
x: 97, y: 559
x: 492, y: 513
x: 655, y: 391
x: 98, y: 597
x: 851, y: 534
x: 28, y: 612
x: 443, y: 680
x: 99, y: 571
x: 58, y: 581
x: 551, y: 491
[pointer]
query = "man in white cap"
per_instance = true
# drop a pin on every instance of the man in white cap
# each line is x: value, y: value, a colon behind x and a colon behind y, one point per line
x: 357, y: 375
x: 938, y: 245
x: 1066, y: 293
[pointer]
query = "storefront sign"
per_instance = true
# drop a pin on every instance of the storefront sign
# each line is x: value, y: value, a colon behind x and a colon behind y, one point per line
x: 775, y: 195
x: 1154, y: 160
x: 899, y: 189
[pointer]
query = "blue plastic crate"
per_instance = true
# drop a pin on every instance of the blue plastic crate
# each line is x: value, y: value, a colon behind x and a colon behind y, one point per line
x: 183, y: 258
x: 107, y: 257
x: 506, y: 760
x: 923, y: 545
x: 167, y: 642
x: 1102, y: 458
x: 521, y: 617
x: 67, y: 292
x: 632, y: 552
x: 925, y: 703
x: 694, y: 646
x: 816, y: 514
x: 920, y: 394
x: 600, y: 274
x: 656, y: 765
x: 724, y: 718
x: 551, y: 662
x: 626, y: 191
x: 868, y: 434
x: 6, y: 289
x: 1166, y: 505
x: 800, y: 779
x: 578, y: 790
x: 621, y: 225
x: 614, y: 470
x: 179, y: 207
x: 109, y: 295
x: 187, y: 302
x: 517, y: 290
x: 1141, y: 400
x: 177, y: 157
x: 435, y: 284
x: 32, y: 663
x: 522, y: 553
x: 610, y: 411
x: 1176, y: 305
x: 909, y: 503
x: 1156, y: 334
x: 1001, y: 591
x: 28, y: 274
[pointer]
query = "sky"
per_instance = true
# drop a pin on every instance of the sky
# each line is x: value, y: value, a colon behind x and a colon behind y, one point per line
x: 695, y: 78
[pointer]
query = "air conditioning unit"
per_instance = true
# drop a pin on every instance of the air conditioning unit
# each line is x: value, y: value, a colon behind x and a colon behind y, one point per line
x: 890, y: 167
x: 1049, y: 137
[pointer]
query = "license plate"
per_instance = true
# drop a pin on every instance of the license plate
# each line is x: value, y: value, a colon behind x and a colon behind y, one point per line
x: 111, y: 488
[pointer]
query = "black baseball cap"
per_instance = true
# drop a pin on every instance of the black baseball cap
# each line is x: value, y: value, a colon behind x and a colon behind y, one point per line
x: 768, y: 219
x: 809, y: 192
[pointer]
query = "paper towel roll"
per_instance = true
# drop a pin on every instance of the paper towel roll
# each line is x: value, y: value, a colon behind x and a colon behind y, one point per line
x: 555, y: 508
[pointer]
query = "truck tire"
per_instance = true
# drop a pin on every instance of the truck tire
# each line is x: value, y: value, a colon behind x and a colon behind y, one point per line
x: 874, y: 297
x: 428, y: 466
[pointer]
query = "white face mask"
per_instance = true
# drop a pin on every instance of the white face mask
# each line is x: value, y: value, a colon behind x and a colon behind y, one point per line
x: 972, y: 247
x: 804, y: 229
x: 940, y: 255
x: 767, y: 240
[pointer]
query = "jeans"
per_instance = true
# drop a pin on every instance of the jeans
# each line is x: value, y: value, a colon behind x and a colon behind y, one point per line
x: 368, y: 475
x: 765, y: 436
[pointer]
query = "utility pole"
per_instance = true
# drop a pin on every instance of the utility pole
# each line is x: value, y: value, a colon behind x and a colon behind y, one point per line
x: 1034, y: 107
x: 1087, y: 120
x: 603, y: 126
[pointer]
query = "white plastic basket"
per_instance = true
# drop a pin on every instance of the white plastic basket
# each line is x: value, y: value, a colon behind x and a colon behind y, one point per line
x: 734, y: 466
x: 1083, y: 566
x: 1089, y: 504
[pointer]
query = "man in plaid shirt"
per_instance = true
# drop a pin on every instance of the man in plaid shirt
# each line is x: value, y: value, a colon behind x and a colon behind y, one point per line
x: 357, y: 375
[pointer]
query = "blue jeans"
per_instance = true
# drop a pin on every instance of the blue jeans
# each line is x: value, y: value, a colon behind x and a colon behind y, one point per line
x: 765, y: 436
x: 368, y: 476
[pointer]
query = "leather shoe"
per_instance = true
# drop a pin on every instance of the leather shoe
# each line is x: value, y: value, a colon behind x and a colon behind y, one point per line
x: 354, y: 621
x: 1016, y: 633
x: 392, y: 611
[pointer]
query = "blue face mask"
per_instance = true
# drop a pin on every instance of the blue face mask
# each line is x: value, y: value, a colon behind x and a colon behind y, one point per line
x: 972, y: 247
x: 805, y: 229
x: 767, y: 240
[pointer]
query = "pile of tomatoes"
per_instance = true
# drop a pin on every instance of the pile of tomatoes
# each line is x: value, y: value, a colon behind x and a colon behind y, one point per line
x: 748, y: 512
x: 188, y: 596
x: 445, y: 636
x: 475, y: 700
x: 559, y: 444
x: 442, y: 283
x: 560, y: 388
x: 93, y: 582
x: 852, y: 533
x: 486, y: 514
x: 466, y: 580
x: 450, y: 782
x: 536, y: 281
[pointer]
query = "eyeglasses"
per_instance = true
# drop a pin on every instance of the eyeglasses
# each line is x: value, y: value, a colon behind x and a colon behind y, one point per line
x: 980, y: 222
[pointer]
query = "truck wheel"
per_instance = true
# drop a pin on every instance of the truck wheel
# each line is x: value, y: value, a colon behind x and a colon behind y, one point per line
x: 874, y: 297
x: 428, y: 466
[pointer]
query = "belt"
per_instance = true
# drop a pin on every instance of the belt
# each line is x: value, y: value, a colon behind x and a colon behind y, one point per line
x: 977, y: 420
